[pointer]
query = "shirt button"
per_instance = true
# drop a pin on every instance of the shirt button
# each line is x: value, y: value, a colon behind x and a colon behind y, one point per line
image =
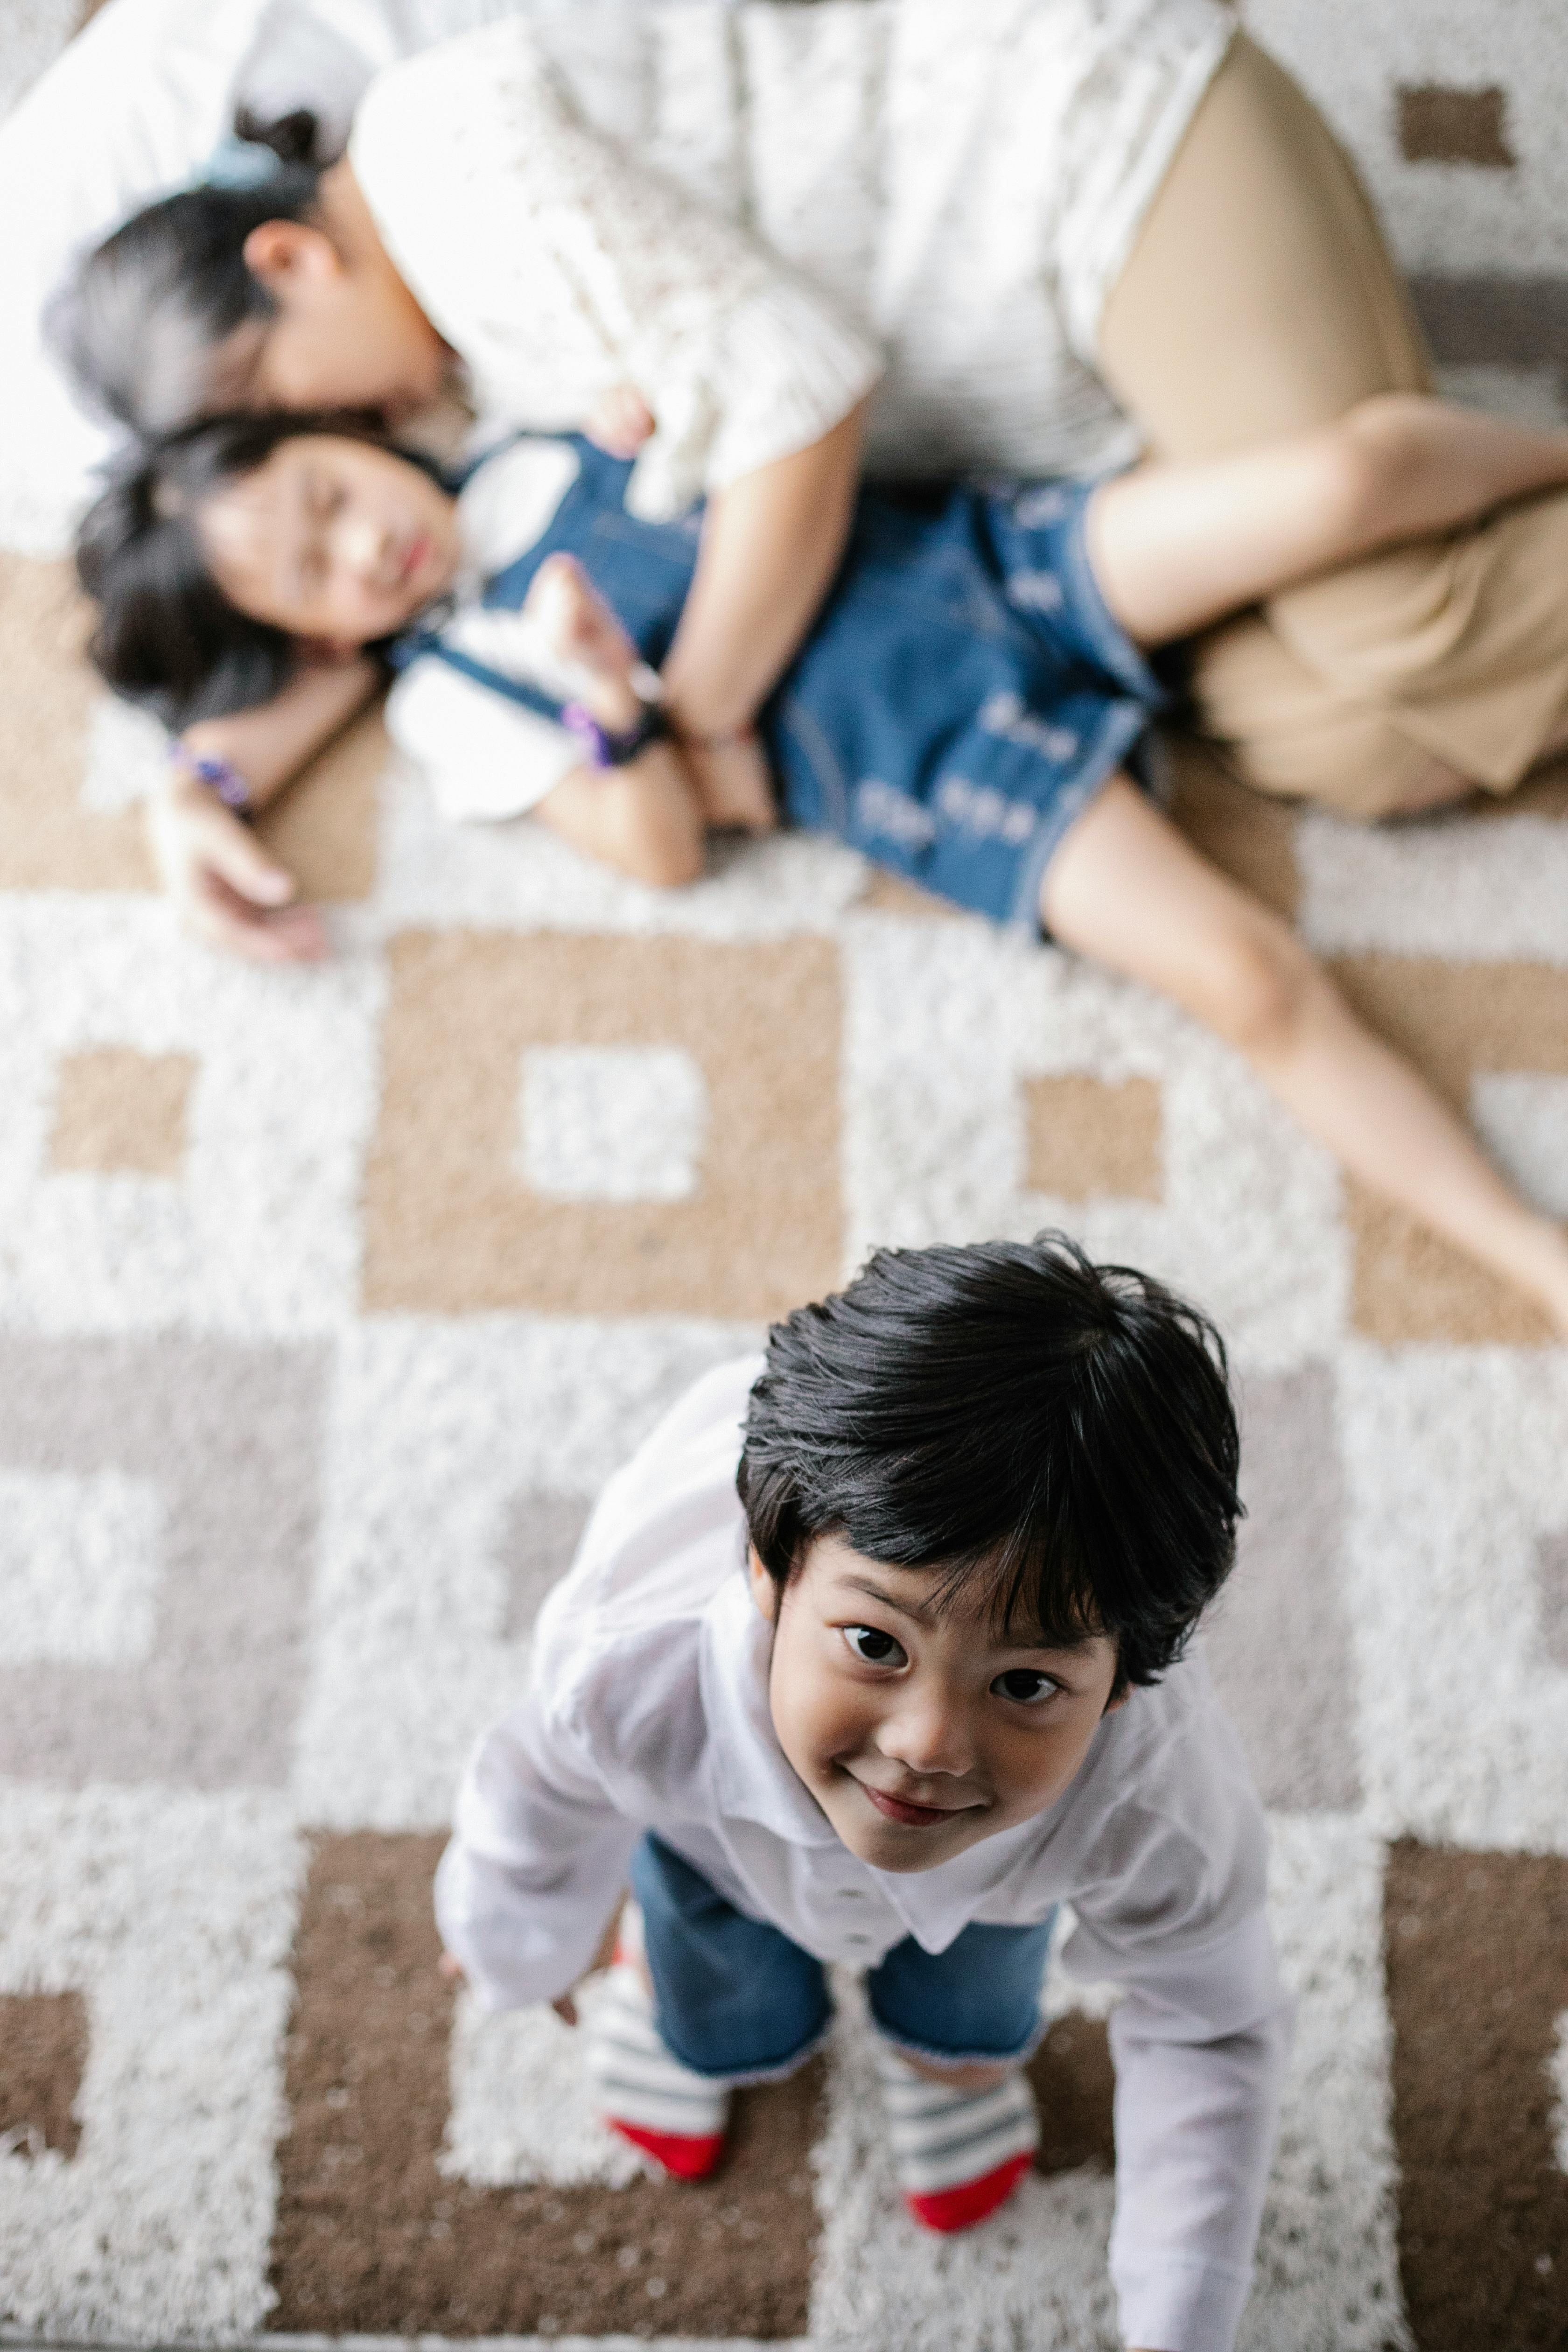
x: 851, y: 1895
x: 857, y: 1939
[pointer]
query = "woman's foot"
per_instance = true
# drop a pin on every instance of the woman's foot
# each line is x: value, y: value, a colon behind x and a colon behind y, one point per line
x: 579, y: 629
x: 959, y: 2153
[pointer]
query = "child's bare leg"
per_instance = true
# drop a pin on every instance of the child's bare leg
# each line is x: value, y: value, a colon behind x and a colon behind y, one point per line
x: 1125, y: 888
x: 1177, y: 546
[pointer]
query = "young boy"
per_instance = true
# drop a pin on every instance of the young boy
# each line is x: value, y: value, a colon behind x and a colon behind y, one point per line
x: 873, y: 1654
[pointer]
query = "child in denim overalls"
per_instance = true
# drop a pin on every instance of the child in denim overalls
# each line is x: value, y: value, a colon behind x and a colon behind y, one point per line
x: 962, y: 696
x: 966, y: 708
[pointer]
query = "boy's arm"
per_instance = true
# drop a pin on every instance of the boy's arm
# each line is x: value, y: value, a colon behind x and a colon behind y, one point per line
x: 228, y: 889
x: 1172, y: 1910
x: 537, y: 1861
x: 1196, y: 2123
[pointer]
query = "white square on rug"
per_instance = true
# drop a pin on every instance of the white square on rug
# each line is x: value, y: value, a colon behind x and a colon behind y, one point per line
x: 81, y: 1559
x: 612, y: 1122
x: 1524, y: 1119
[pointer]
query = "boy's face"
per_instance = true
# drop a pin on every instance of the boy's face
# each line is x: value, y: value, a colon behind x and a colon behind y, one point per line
x: 920, y: 1734
x: 331, y: 539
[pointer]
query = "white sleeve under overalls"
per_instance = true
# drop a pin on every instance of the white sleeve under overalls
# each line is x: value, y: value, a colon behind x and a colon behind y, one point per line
x: 557, y: 268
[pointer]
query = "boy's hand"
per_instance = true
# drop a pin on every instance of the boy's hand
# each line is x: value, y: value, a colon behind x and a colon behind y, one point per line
x: 451, y: 1969
x: 226, y: 888
x: 620, y: 421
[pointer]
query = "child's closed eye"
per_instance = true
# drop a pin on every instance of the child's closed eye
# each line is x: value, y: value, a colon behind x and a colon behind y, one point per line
x: 872, y: 1646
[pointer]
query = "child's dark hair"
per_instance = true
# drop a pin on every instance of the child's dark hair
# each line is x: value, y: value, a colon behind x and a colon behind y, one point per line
x: 167, y: 637
x: 140, y: 321
x: 1009, y: 1412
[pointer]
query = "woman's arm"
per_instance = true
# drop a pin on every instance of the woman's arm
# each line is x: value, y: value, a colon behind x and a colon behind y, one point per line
x: 771, y: 544
x: 562, y: 268
x: 227, y: 887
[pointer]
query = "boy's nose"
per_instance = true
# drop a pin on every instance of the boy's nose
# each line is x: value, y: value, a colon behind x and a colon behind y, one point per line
x: 929, y: 1735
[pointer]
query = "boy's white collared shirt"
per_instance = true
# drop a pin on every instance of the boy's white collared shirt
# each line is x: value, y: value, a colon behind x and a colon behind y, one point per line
x: 648, y: 1709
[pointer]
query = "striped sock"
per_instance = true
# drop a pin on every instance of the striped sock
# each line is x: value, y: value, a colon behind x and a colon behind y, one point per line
x: 647, y: 2096
x: 959, y: 2154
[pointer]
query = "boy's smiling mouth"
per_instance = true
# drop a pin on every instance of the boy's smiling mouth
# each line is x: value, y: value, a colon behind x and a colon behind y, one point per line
x: 912, y: 1816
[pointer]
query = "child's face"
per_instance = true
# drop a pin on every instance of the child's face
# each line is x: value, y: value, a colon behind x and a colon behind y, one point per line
x: 916, y: 1733
x: 331, y: 539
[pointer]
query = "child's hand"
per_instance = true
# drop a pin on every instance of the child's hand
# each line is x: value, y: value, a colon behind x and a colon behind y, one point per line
x: 450, y: 1969
x: 729, y: 776
x: 620, y: 421
x: 226, y: 890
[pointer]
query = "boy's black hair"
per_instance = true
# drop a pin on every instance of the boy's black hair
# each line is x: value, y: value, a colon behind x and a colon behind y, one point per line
x: 1007, y: 1412
x: 167, y: 638
x: 140, y: 321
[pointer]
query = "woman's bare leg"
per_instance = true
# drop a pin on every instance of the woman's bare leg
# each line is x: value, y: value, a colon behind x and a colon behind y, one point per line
x: 1178, y: 545
x: 1260, y: 299
x: 1125, y: 888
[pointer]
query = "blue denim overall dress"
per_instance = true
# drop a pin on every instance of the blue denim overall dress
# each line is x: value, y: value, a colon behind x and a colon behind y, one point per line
x: 961, y: 698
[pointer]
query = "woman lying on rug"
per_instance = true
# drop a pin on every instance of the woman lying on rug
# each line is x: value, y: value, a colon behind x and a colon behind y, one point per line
x: 1086, y: 210
x: 969, y: 708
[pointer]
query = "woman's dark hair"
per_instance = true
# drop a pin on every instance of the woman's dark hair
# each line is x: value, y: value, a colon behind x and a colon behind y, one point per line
x: 138, y: 322
x: 167, y: 637
x: 1007, y: 1412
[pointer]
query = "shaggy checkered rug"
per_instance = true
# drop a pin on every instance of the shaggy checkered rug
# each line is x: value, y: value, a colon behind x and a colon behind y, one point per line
x: 327, y: 1301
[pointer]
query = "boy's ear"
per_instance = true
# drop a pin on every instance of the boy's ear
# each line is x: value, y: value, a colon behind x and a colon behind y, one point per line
x: 281, y: 253
x: 764, y: 1592
x: 1112, y: 1705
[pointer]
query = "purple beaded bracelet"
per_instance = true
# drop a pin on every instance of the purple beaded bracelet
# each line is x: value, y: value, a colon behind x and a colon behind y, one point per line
x: 218, y: 776
x: 609, y: 750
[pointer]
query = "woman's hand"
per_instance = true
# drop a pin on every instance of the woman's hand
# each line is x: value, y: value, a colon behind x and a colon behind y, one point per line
x: 620, y: 421
x: 771, y: 544
x: 227, y: 890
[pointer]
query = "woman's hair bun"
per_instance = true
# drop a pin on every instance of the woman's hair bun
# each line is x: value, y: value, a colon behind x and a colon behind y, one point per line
x: 294, y: 138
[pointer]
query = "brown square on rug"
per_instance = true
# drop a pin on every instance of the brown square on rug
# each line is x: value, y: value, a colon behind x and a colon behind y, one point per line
x: 1454, y: 1021
x: 1087, y: 1137
x: 1477, y: 1952
x: 119, y: 1112
x: 371, y: 2238
x: 43, y: 2050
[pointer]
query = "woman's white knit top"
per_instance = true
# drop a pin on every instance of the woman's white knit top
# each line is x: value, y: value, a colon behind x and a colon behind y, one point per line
x: 744, y: 211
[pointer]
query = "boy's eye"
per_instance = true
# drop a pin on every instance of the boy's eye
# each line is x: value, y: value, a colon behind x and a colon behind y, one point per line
x: 872, y: 1647
x: 1024, y: 1686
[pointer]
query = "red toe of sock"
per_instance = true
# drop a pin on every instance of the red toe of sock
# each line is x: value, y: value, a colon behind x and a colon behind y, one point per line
x: 959, y: 2209
x: 688, y: 2157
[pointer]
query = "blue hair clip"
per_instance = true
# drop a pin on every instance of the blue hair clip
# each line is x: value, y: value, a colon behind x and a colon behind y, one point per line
x: 239, y: 162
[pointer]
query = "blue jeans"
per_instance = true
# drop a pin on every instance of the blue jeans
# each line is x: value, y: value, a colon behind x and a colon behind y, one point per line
x: 735, y: 1998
